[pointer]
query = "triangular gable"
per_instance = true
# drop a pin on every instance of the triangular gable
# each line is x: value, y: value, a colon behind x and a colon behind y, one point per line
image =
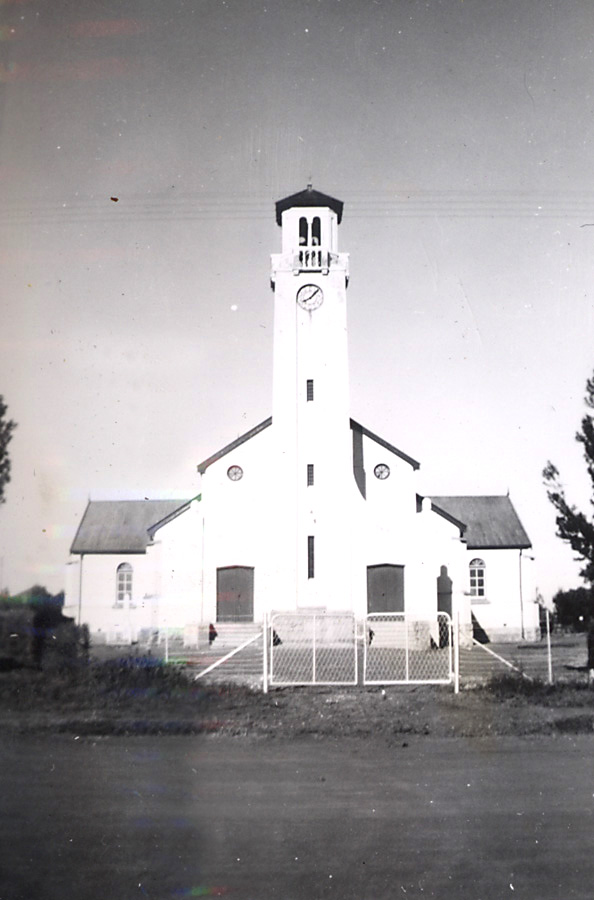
x: 355, y: 426
x: 203, y: 466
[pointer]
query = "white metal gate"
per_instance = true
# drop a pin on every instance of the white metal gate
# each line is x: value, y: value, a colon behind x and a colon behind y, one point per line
x: 312, y: 648
x: 403, y: 650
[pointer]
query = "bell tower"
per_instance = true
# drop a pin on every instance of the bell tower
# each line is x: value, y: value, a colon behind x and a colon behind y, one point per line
x: 310, y: 409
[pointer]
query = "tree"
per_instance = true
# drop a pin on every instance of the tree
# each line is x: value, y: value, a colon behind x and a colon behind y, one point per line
x: 573, y: 526
x: 573, y: 608
x: 6, y: 428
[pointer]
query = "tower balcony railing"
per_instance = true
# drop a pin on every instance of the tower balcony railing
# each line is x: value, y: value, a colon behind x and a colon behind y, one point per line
x: 312, y: 259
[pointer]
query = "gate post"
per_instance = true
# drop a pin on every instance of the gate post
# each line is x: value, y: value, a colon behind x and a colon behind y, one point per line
x: 549, y: 657
x: 265, y: 654
x: 456, y: 626
x: 313, y: 674
x: 406, y: 669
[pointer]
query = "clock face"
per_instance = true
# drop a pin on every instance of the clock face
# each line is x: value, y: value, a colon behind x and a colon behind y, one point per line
x: 235, y: 473
x: 310, y: 296
x: 381, y: 471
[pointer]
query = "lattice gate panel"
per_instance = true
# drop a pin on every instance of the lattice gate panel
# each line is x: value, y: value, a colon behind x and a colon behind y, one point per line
x: 402, y: 650
x: 308, y: 648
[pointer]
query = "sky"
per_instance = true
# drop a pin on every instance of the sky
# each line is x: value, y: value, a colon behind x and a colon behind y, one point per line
x: 142, y: 148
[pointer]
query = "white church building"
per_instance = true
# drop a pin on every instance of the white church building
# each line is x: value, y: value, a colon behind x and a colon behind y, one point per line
x: 309, y: 510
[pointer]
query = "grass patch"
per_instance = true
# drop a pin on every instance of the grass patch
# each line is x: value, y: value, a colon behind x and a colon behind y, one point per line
x: 142, y: 695
x: 509, y: 687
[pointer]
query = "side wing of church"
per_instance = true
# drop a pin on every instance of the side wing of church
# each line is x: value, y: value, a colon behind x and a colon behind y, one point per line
x: 309, y: 510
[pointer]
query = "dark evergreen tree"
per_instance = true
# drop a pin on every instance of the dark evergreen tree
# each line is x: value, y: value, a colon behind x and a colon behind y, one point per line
x: 574, y: 526
x: 573, y: 608
x: 6, y: 428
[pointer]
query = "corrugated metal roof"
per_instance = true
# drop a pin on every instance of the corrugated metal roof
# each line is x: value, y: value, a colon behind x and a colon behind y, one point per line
x: 121, y: 526
x: 492, y: 522
x: 441, y: 512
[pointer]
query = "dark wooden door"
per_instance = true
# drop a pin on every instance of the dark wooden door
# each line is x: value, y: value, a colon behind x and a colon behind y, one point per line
x: 235, y: 594
x: 385, y: 588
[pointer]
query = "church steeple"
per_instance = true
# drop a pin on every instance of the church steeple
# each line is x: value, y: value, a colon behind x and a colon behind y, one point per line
x: 309, y: 221
x: 310, y: 407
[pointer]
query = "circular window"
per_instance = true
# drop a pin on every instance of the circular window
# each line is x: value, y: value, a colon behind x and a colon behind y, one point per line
x: 381, y: 471
x: 235, y: 473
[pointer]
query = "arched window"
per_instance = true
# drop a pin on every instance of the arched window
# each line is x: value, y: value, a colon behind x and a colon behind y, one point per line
x: 303, y: 232
x: 316, y: 232
x: 123, y: 583
x: 477, y: 578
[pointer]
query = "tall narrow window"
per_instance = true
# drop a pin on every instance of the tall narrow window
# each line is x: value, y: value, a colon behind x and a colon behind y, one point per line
x: 302, y: 231
x: 310, y: 474
x: 123, y: 583
x: 316, y: 232
x: 309, y: 389
x: 310, y: 556
x: 477, y: 578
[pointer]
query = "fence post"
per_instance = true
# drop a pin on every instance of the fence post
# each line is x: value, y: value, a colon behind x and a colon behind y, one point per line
x: 366, y: 629
x: 265, y: 655
x: 356, y: 627
x: 166, y: 643
x: 314, y: 651
x: 456, y: 629
x: 549, y: 657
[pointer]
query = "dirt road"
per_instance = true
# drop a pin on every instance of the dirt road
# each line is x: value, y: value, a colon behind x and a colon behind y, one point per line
x: 169, y: 817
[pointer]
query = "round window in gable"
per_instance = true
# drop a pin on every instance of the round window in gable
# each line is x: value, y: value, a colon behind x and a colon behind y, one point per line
x: 381, y: 471
x: 235, y: 473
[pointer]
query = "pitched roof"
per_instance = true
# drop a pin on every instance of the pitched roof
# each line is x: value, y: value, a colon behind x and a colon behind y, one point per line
x: 171, y: 516
x: 308, y: 197
x: 492, y: 522
x: 386, y: 444
x: 442, y: 512
x: 203, y: 466
x: 121, y: 526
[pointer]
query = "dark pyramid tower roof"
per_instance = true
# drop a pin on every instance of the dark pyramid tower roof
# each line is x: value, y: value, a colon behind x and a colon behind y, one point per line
x: 308, y: 197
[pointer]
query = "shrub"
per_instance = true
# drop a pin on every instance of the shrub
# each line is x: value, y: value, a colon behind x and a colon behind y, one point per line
x: 50, y: 640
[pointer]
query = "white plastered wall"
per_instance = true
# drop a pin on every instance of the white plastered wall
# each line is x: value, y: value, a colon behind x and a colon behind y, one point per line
x: 96, y: 575
x: 508, y: 611
x: 384, y: 521
x: 176, y: 553
x: 238, y: 526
